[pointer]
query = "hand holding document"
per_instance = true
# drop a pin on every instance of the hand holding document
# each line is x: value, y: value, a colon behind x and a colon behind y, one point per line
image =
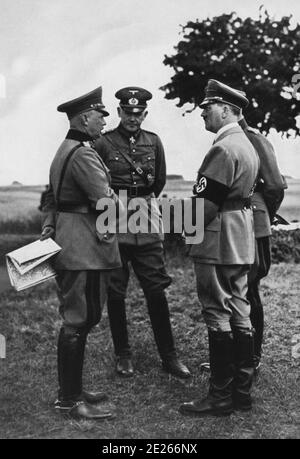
x: 30, y: 265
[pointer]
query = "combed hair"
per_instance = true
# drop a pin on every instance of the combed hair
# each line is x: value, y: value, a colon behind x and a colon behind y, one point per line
x: 236, y: 111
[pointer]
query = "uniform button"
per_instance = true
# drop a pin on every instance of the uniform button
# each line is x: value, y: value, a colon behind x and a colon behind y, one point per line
x: 133, y: 173
x: 149, y: 157
x: 117, y: 158
x: 134, y: 183
x: 133, y: 150
x: 133, y: 161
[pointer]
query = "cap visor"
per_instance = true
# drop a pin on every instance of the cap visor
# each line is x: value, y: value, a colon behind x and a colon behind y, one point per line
x: 104, y: 112
x: 130, y: 109
x: 204, y: 103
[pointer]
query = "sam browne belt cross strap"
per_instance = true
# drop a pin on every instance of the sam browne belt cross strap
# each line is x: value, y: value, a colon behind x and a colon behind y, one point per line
x: 71, y: 206
x: 143, y: 174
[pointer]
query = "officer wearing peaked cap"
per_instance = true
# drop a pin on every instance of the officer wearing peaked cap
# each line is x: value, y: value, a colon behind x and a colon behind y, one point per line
x: 217, y: 92
x: 90, y: 101
x: 78, y: 179
x: 225, y: 181
x: 267, y: 197
x: 136, y: 161
x: 133, y: 99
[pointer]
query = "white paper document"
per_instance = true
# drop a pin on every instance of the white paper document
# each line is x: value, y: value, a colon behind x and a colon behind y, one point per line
x: 30, y: 265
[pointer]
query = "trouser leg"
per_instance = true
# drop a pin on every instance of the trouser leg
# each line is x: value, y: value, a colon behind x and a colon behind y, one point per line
x: 116, y: 305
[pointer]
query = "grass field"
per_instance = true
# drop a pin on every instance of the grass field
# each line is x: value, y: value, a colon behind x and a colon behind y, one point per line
x: 19, y: 212
x: 147, y: 405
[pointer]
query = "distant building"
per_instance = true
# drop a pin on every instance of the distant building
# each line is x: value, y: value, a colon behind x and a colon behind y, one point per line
x: 16, y: 183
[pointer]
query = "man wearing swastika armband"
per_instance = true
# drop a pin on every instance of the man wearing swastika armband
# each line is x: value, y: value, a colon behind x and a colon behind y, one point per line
x: 226, y: 180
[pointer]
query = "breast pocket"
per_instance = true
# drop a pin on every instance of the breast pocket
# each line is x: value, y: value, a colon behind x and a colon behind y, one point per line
x: 147, y: 162
x: 117, y: 163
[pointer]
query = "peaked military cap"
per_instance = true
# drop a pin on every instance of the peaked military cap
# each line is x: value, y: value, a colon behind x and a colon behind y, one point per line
x: 133, y: 99
x: 90, y: 101
x: 216, y: 91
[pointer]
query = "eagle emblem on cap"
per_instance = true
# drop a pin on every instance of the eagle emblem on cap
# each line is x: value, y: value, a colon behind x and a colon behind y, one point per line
x: 133, y: 101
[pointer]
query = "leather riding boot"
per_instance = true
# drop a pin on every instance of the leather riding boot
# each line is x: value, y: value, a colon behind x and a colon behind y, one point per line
x: 70, y: 356
x: 70, y: 353
x: 257, y: 319
x: 118, y: 326
x: 161, y: 325
x: 219, y: 400
x: 243, y: 351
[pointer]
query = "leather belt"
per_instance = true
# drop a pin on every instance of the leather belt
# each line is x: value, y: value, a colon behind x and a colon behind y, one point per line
x: 236, y: 204
x: 133, y: 191
x: 76, y: 208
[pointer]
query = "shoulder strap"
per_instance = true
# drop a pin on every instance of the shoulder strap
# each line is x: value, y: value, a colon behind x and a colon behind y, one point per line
x: 63, y: 171
x: 137, y: 169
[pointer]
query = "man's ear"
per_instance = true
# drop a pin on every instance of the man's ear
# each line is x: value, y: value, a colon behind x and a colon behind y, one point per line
x: 145, y: 115
x: 225, y: 111
x: 119, y: 111
x: 84, y: 119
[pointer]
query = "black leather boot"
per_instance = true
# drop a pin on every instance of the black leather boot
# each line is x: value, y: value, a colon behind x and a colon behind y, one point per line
x: 257, y: 320
x: 243, y: 351
x: 160, y: 321
x: 219, y: 400
x: 70, y: 353
x: 118, y: 326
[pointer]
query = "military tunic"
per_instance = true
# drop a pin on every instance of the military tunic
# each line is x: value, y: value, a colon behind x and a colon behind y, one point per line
x: 146, y: 151
x: 86, y: 255
x: 222, y: 260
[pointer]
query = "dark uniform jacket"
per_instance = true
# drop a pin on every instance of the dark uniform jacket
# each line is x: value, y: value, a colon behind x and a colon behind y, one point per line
x: 231, y: 164
x: 146, y: 151
x: 270, y: 185
x: 86, y: 180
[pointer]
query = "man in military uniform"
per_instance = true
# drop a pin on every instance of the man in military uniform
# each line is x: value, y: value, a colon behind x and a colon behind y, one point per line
x: 136, y: 161
x: 78, y: 179
x: 267, y: 197
x: 225, y: 181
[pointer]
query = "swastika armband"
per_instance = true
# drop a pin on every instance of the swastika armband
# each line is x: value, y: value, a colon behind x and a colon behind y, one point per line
x: 210, y: 189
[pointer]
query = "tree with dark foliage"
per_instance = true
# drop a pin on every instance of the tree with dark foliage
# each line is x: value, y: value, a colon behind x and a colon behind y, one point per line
x: 259, y: 56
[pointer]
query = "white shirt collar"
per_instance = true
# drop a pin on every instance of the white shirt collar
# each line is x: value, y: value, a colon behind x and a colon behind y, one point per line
x: 225, y: 128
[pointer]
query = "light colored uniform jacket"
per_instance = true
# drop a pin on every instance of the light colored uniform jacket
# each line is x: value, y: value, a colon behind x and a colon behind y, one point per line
x: 86, y: 180
x: 229, y: 238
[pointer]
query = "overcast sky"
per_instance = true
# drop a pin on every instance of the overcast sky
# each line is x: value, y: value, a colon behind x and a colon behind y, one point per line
x: 51, y: 51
